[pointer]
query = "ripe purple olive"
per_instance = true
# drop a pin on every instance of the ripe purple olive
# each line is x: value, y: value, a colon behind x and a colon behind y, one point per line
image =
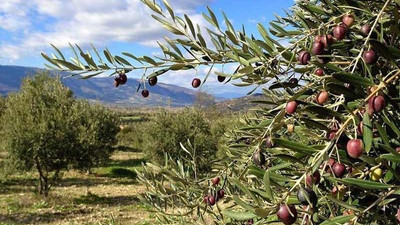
x: 220, y: 194
x: 370, y: 57
x: 315, y: 178
x: 196, y: 83
x: 339, y: 169
x: 258, y: 158
x: 145, y: 93
x: 205, y: 199
x: 322, y: 97
x: 365, y: 30
x: 327, y: 40
x: 122, y: 78
x: 287, y: 214
x: 339, y: 32
x: 317, y: 48
x: 116, y: 82
x: 215, y: 181
x: 291, y: 107
x: 377, y: 103
x: 211, y: 200
x: 294, y: 81
x: 221, y: 79
x: 355, y: 148
x: 268, y: 142
x: 153, y: 81
x: 348, y: 20
x: 307, y: 196
x: 319, y: 72
x: 360, y: 128
x: 304, y: 57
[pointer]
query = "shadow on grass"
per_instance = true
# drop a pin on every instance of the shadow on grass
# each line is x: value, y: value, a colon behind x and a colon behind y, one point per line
x: 93, y: 199
x: 126, y: 163
x: 42, y: 217
x: 124, y: 148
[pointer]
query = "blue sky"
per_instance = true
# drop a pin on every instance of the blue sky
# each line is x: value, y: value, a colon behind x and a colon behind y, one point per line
x: 27, y: 27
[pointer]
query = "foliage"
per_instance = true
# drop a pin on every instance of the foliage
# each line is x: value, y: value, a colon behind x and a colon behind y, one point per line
x: 47, y: 129
x: 359, y: 67
x: 167, y: 130
x: 97, y: 128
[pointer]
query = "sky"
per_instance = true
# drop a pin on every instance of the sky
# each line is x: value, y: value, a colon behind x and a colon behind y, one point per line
x: 27, y: 27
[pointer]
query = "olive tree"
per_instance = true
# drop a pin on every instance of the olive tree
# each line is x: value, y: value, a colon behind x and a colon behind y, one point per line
x: 324, y: 151
x: 38, y: 132
x: 97, y: 128
x: 46, y: 129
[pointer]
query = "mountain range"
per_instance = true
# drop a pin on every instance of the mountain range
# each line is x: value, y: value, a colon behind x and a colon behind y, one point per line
x: 102, y: 89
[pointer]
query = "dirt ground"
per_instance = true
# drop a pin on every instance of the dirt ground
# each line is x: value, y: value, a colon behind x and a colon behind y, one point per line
x: 108, y: 196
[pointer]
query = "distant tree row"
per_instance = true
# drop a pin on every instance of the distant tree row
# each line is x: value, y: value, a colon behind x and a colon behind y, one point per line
x: 46, y: 129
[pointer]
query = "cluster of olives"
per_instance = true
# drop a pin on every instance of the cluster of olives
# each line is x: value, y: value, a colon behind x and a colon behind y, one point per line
x: 287, y: 214
x: 216, y: 194
x: 120, y: 79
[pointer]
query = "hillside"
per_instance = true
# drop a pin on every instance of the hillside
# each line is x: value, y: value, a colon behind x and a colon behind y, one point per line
x: 101, y: 89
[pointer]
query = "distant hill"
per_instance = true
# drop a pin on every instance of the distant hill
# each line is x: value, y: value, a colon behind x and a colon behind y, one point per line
x: 101, y: 89
x: 241, y: 104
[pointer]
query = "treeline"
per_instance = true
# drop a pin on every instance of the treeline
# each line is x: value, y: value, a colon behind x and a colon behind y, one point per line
x: 45, y: 128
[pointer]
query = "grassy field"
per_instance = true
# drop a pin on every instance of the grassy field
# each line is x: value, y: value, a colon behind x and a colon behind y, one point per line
x: 108, y: 196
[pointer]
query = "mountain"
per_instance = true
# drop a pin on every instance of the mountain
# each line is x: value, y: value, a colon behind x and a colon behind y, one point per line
x: 242, y: 103
x: 101, y: 89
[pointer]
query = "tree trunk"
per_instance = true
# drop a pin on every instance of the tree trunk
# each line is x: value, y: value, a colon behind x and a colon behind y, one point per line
x: 43, y: 184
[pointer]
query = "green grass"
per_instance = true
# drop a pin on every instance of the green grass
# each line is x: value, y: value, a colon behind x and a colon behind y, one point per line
x: 108, y: 196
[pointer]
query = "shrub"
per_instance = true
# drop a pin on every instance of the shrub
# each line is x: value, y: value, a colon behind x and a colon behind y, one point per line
x: 167, y: 130
x: 96, y: 130
x: 47, y: 129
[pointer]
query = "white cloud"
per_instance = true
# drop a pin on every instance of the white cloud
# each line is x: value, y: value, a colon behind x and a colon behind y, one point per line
x: 82, y: 22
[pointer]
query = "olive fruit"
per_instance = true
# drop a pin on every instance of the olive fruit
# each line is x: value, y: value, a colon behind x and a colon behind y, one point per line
x: 315, y: 178
x: 291, y: 107
x: 355, y: 148
x: 116, y: 82
x: 304, y: 57
x: 365, y: 30
x: 319, y: 72
x: 215, y: 181
x: 122, y: 78
x: 220, y: 79
x: 326, y: 40
x: 339, y: 32
x: 377, y: 103
x: 307, y: 196
x: 258, y: 158
x: 220, y: 194
x: 269, y: 143
x: 322, y: 97
x: 287, y: 214
x: 211, y: 200
x: 376, y: 174
x: 153, y: 81
x: 348, y: 20
x: 360, y: 128
x: 339, y: 169
x: 370, y: 57
x: 145, y: 93
x: 293, y: 80
x: 196, y: 83
x: 317, y: 48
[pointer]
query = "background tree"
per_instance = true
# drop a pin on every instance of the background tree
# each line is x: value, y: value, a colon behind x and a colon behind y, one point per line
x: 38, y: 132
x: 97, y: 128
x: 330, y: 134
x: 47, y: 129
